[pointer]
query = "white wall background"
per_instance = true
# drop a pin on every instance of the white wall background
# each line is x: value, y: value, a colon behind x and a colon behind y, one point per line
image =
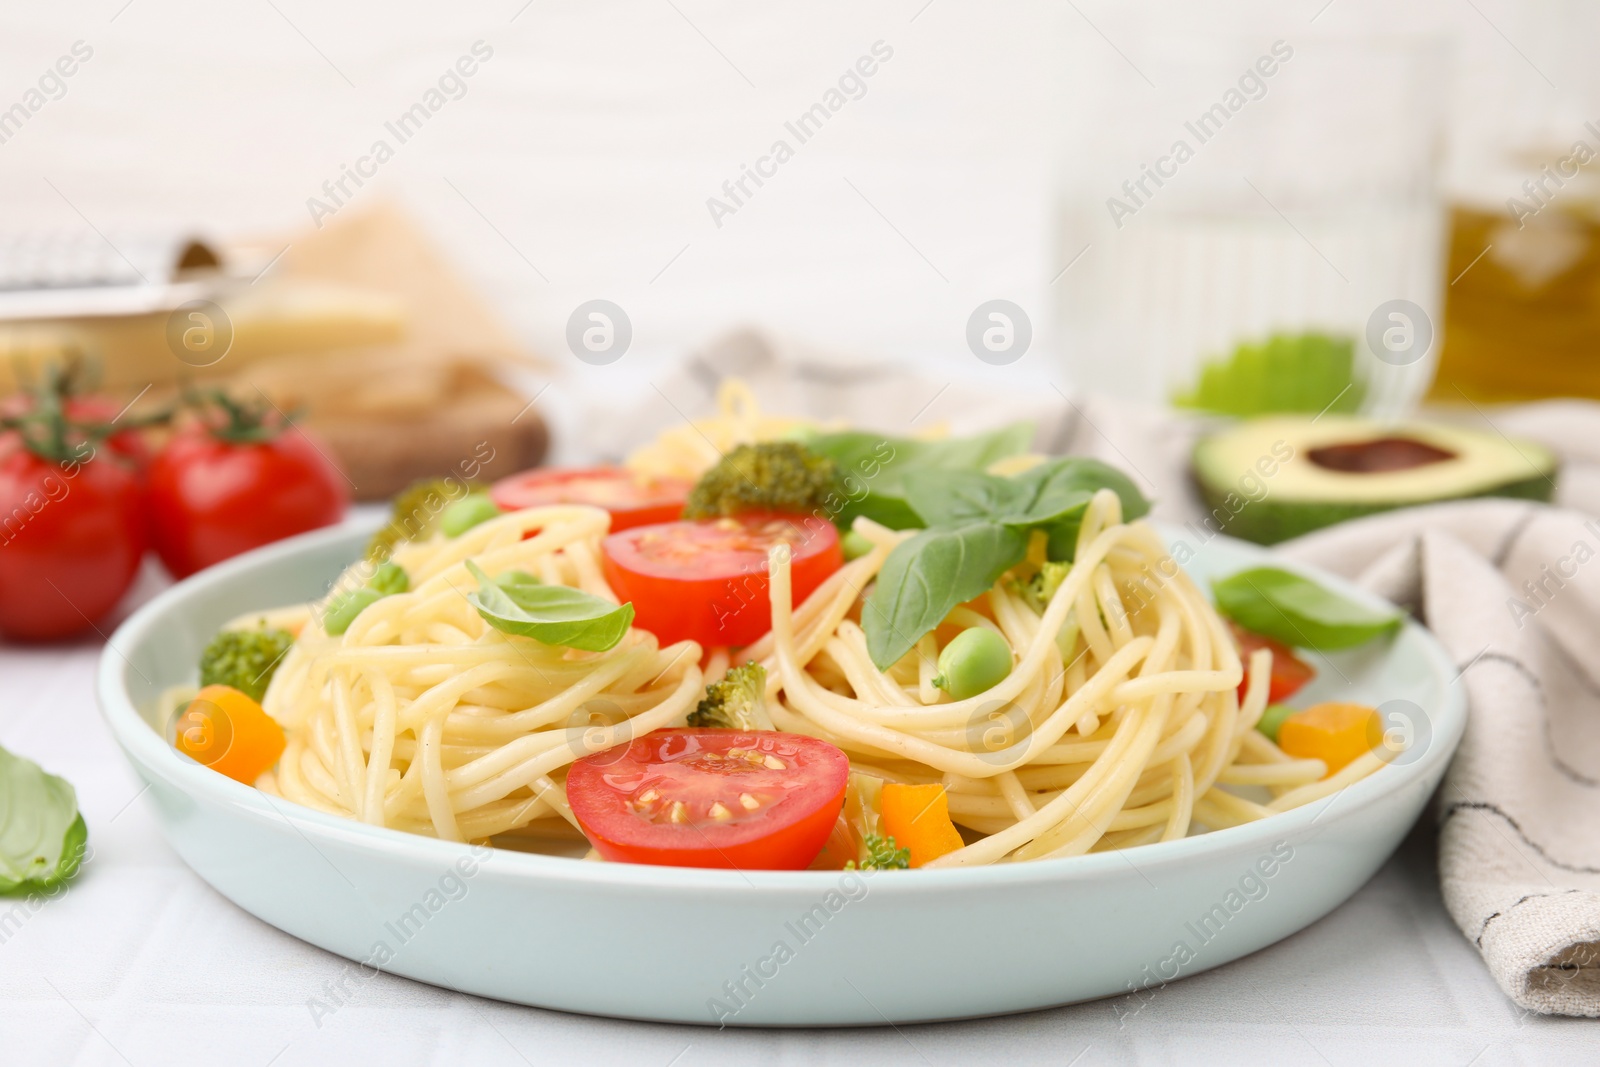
x: 592, y: 139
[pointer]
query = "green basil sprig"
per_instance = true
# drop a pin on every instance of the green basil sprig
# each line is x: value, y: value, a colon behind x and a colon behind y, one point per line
x: 977, y: 528
x: 875, y: 468
x: 518, y: 603
x: 42, y: 835
x: 1297, y: 611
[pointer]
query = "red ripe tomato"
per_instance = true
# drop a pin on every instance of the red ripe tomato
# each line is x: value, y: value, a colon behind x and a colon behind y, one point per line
x: 213, y: 498
x: 760, y: 801
x: 632, y: 499
x: 71, y: 535
x: 1289, y: 674
x: 707, y: 581
x: 93, y: 410
x: 131, y: 445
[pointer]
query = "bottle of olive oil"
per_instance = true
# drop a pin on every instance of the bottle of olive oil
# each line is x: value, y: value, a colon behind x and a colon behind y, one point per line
x: 1522, y: 299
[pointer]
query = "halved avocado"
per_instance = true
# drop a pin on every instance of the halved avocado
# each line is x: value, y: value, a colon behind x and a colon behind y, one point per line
x: 1270, y: 479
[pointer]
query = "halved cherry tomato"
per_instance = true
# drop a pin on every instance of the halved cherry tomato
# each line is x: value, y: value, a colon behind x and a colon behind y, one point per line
x: 760, y: 801
x: 707, y: 581
x: 1289, y: 674
x: 842, y: 846
x: 632, y: 499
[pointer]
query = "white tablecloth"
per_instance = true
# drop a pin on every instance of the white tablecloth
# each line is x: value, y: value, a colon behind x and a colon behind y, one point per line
x: 141, y: 963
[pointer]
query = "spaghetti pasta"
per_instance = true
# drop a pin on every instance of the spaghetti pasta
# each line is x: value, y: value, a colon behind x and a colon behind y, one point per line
x: 1119, y: 724
x: 1120, y: 733
x: 424, y: 718
x: 688, y: 451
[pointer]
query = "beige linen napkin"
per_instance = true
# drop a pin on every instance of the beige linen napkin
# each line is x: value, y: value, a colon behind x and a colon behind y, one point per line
x: 1519, y: 810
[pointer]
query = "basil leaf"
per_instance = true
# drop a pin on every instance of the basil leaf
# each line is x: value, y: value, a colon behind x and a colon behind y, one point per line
x: 927, y: 575
x: 1297, y: 611
x: 952, y: 498
x: 1062, y: 543
x: 1054, y: 496
x: 875, y: 467
x: 552, y: 614
x: 512, y: 581
x: 42, y: 836
x: 1041, y: 496
x: 1051, y: 496
x: 1061, y: 489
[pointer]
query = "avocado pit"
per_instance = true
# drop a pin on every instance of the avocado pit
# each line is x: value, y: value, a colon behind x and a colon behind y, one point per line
x: 1379, y: 455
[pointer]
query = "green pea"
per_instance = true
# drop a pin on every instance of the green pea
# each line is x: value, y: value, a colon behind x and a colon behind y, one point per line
x: 345, y: 606
x: 390, y: 578
x: 854, y: 545
x: 466, y: 513
x: 1272, y: 720
x: 976, y: 660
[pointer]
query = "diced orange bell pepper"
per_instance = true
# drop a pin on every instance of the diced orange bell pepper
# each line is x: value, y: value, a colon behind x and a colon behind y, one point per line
x: 918, y: 818
x: 227, y: 731
x: 1333, y: 733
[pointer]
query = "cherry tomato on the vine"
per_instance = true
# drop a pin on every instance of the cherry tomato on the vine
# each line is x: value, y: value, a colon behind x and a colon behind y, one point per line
x: 220, y: 488
x: 71, y: 536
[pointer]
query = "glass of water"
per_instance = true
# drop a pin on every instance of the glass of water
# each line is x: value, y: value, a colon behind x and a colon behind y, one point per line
x: 1243, y: 188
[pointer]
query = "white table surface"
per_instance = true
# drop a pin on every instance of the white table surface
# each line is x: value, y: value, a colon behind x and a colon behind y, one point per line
x: 141, y: 963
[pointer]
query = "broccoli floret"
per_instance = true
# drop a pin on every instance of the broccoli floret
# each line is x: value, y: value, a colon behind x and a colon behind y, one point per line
x: 1038, y: 592
x: 244, y: 659
x: 782, y: 476
x: 1042, y: 586
x: 415, y: 514
x: 880, y: 854
x: 737, y: 702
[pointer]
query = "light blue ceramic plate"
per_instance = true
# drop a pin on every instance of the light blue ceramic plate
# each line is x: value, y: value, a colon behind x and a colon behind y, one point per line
x: 764, y: 948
